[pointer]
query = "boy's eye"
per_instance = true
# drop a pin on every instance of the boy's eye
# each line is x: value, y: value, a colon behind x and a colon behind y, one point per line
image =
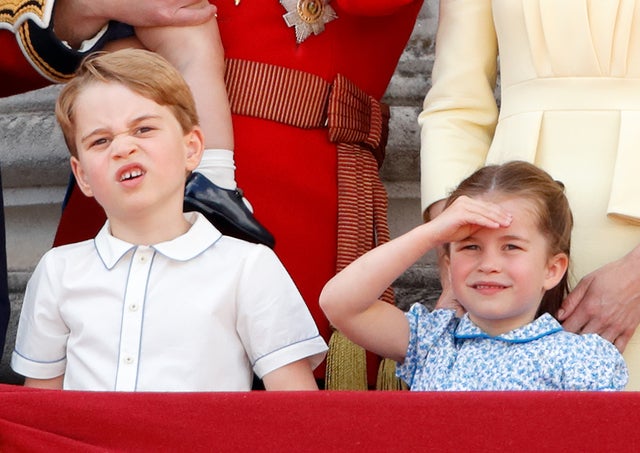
x: 512, y: 247
x: 144, y: 129
x: 99, y: 142
x: 469, y: 247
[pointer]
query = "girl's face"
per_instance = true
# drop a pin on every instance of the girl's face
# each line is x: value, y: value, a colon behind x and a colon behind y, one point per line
x: 500, y: 275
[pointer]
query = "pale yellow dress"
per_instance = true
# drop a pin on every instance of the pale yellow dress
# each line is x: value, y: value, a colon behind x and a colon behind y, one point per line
x: 570, y: 103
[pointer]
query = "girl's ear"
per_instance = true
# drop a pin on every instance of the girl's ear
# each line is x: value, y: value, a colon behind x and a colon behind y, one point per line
x: 194, y: 147
x: 556, y: 267
x: 81, y: 180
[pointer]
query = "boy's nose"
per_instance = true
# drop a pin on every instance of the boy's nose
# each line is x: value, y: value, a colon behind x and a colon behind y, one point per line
x: 123, y: 146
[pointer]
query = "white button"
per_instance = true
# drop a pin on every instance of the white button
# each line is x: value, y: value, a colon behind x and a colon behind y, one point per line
x: 133, y: 307
x: 128, y: 360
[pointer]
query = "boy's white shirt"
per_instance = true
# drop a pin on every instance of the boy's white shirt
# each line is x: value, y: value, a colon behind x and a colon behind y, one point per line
x: 147, y: 328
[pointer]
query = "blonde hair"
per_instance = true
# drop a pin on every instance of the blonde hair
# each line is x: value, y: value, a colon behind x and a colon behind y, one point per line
x: 555, y: 221
x: 143, y: 72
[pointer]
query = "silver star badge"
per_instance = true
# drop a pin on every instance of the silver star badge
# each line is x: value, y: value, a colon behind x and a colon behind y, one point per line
x: 308, y: 16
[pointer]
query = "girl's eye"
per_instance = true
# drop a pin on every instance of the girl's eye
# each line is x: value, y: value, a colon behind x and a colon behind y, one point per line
x: 512, y: 247
x: 469, y: 247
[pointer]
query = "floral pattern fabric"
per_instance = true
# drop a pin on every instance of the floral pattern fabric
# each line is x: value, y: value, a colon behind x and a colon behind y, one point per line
x: 448, y: 353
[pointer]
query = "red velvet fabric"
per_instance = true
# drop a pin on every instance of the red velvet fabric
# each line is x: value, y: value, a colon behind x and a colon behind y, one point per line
x: 33, y: 421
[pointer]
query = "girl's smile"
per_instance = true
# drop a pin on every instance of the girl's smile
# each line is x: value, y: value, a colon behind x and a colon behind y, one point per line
x: 500, y: 275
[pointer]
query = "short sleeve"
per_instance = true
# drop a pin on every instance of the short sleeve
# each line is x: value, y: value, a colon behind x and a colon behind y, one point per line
x: 425, y: 329
x: 273, y: 322
x: 594, y: 364
x: 41, y: 340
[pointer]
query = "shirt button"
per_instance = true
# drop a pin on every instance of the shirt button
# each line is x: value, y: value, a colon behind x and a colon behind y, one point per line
x: 133, y: 307
x: 128, y: 360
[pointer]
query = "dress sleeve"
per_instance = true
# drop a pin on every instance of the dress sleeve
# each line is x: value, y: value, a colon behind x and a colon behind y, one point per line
x: 425, y: 328
x: 595, y: 364
x: 460, y: 113
x: 273, y: 321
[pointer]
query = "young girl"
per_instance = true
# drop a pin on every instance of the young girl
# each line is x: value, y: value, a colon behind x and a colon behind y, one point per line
x: 507, y: 232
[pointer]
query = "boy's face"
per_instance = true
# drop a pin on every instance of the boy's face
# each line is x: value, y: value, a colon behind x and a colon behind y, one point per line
x: 500, y: 275
x: 132, y: 153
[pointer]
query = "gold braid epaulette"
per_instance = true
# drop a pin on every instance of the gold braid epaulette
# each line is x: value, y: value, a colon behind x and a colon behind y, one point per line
x: 15, y: 12
x: 32, y: 23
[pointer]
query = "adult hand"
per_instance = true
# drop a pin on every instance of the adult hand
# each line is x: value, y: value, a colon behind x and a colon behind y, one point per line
x: 606, y: 301
x: 77, y: 20
x: 447, y: 299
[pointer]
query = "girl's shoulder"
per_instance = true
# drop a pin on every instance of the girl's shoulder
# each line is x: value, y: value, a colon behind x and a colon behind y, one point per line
x: 586, y: 344
x: 588, y: 361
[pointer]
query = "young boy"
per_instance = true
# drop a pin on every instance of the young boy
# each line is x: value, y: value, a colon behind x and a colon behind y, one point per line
x: 159, y: 300
x: 197, y: 52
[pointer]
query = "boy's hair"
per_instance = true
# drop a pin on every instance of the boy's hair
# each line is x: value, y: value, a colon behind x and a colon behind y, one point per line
x: 555, y: 220
x: 143, y: 72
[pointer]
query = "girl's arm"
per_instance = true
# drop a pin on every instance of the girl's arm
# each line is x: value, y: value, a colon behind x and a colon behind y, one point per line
x: 350, y: 299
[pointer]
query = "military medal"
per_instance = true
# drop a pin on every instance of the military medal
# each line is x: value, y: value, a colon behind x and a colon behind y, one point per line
x: 307, y: 16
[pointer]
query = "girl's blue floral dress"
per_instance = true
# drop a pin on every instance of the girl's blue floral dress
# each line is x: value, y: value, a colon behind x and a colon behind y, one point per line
x: 449, y: 353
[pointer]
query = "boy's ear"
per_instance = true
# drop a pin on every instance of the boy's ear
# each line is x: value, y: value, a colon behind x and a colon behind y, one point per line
x: 556, y: 268
x: 78, y: 172
x: 194, y: 143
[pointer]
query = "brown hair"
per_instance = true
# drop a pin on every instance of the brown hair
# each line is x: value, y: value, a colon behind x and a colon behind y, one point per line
x: 555, y: 220
x: 143, y: 72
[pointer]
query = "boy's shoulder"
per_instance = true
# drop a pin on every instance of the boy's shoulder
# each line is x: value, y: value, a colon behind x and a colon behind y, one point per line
x: 62, y: 251
x: 231, y: 249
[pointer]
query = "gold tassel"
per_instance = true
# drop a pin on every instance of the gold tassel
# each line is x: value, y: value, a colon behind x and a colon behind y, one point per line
x: 387, y: 379
x: 346, y: 364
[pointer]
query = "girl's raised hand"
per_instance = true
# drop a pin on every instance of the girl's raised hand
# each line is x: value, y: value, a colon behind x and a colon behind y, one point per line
x: 467, y: 215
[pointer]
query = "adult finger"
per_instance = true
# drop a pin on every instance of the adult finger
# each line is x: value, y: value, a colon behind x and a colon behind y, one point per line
x: 621, y: 342
x: 575, y: 297
x: 193, y: 15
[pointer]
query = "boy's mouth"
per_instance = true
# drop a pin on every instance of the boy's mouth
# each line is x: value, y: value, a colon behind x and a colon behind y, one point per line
x: 131, y: 174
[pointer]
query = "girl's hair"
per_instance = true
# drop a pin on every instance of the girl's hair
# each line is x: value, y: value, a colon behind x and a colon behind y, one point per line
x: 143, y: 72
x: 522, y: 179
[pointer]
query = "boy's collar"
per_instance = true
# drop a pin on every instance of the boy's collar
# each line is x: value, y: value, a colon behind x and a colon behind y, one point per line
x: 199, y: 238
